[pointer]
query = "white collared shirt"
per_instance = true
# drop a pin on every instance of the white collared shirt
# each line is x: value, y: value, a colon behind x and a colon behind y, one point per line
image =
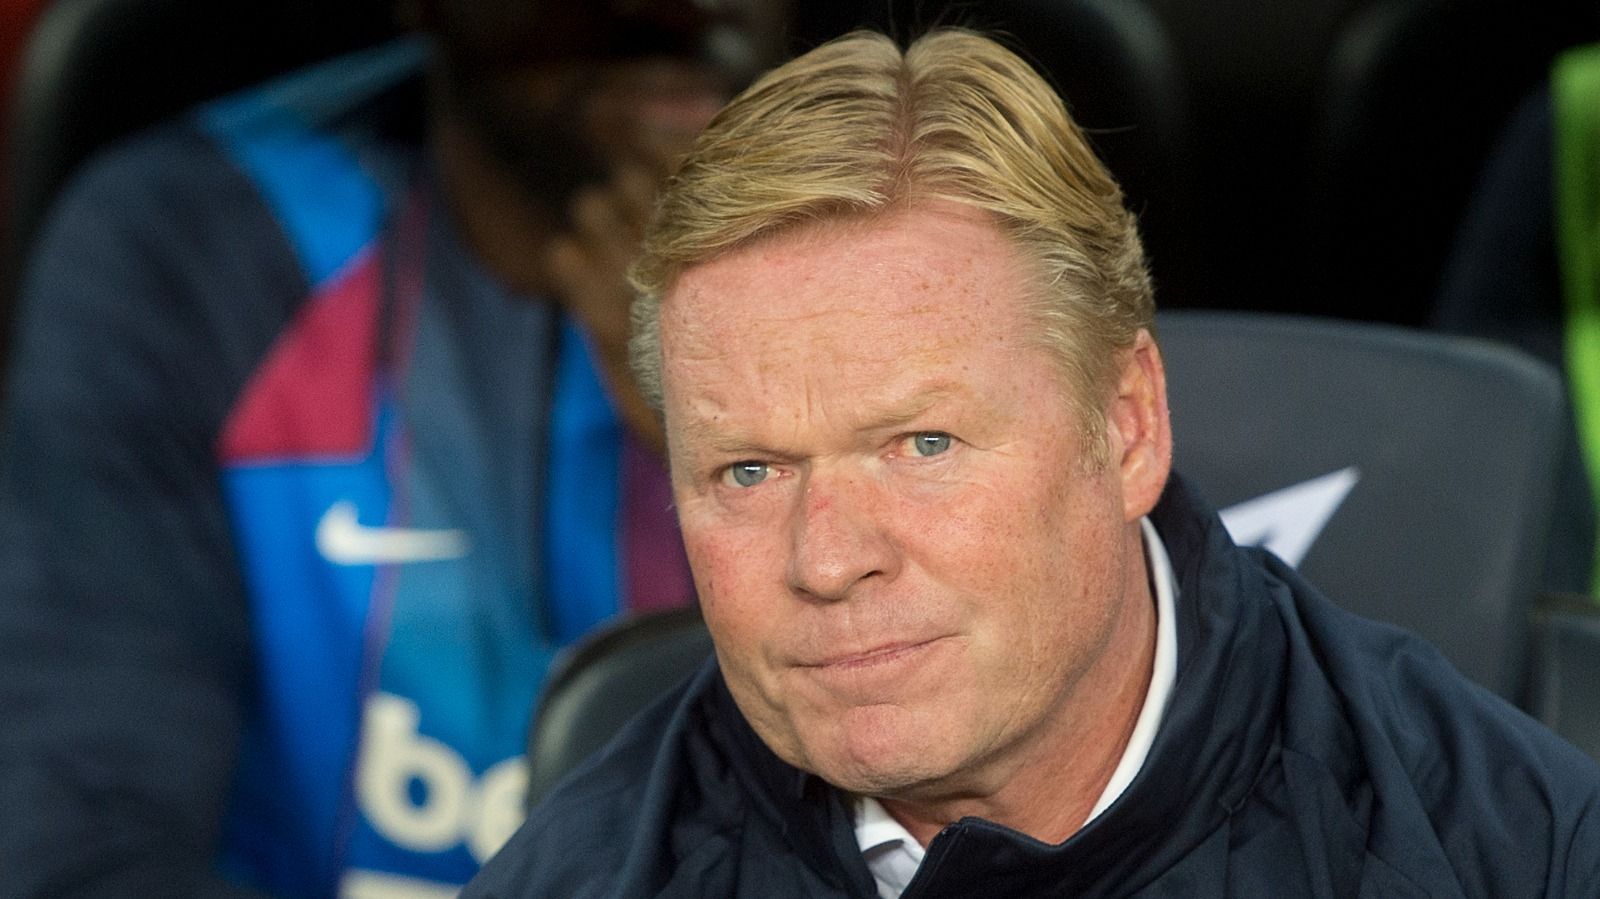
x: 893, y: 855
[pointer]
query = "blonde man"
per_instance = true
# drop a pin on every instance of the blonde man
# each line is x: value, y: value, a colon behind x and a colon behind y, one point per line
x: 970, y: 637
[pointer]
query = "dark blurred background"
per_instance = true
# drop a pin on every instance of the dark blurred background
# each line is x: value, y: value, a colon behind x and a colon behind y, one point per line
x: 1311, y: 157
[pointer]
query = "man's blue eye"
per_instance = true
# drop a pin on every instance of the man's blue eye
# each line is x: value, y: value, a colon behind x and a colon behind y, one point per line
x: 748, y: 474
x: 931, y: 443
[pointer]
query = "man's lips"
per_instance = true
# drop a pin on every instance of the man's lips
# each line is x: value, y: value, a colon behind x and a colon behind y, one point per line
x: 877, y: 656
x: 878, y: 673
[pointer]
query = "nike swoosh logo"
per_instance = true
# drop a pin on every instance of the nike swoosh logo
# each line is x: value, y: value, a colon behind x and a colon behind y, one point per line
x: 1287, y: 521
x: 358, y: 884
x: 344, y: 540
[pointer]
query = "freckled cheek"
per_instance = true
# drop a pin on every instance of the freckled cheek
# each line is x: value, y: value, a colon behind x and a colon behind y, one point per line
x: 959, y: 550
x: 1004, y: 549
x: 734, y: 573
x: 978, y: 533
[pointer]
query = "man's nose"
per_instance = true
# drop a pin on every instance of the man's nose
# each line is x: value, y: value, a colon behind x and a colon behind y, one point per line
x: 840, y: 536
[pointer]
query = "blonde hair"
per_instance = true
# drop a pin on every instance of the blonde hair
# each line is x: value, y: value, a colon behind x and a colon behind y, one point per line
x: 855, y: 128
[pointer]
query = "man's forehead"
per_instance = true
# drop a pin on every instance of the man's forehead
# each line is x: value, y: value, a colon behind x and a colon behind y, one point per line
x: 861, y: 326
x: 940, y: 259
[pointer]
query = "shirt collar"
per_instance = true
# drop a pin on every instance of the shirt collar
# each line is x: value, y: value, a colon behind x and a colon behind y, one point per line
x: 893, y: 855
x: 1163, y: 671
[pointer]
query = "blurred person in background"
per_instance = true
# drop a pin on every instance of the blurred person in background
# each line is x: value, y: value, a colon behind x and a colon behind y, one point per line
x: 319, y: 443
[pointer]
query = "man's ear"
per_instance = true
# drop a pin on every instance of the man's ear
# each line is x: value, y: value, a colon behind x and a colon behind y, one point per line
x: 1140, y: 429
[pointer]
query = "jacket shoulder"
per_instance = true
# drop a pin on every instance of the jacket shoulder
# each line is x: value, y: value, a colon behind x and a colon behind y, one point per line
x: 1453, y: 782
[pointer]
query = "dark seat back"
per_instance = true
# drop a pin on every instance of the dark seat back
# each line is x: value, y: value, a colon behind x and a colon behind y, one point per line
x: 1421, y: 467
x: 1335, y: 142
x: 1565, y: 681
x: 598, y: 683
x: 94, y: 70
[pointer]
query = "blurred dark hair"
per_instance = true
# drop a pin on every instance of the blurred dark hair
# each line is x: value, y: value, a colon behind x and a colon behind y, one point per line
x: 473, y: 34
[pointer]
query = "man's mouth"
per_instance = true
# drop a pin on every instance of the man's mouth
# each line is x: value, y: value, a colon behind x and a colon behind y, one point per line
x: 878, y: 656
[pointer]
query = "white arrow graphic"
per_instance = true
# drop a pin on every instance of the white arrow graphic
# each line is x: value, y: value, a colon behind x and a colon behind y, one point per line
x: 1287, y: 521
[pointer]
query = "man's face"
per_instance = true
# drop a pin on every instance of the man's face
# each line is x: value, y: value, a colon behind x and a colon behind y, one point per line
x: 910, y: 573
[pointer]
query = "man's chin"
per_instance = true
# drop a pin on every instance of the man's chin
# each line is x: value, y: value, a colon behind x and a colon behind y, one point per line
x: 903, y: 782
x: 876, y: 763
x: 872, y: 749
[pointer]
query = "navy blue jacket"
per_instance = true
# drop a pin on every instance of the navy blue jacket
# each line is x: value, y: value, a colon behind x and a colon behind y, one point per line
x: 1305, y: 752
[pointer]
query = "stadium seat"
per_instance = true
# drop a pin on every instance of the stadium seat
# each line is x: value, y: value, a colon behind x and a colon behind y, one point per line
x: 94, y: 70
x: 1335, y: 143
x: 598, y: 683
x: 1565, y: 679
x: 1408, y: 474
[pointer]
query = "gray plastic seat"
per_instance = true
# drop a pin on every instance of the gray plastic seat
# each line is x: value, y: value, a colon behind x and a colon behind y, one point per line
x: 1421, y: 467
x: 1564, y: 689
x: 601, y: 681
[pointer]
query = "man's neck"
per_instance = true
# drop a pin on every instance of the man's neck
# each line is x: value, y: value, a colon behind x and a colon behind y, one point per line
x: 1048, y: 792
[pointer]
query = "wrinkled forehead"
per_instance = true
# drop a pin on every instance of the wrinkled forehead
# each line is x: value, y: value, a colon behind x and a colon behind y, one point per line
x: 893, y: 269
x: 936, y: 289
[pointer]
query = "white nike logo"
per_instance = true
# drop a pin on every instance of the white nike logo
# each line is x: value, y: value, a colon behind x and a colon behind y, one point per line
x: 358, y: 884
x: 1289, y: 520
x: 343, y: 540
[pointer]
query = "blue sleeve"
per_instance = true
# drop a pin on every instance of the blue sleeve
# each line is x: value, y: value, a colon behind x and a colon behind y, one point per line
x: 124, y: 641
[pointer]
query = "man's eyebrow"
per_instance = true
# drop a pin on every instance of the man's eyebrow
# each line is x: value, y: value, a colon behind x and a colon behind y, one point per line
x: 729, y: 445
x: 905, y: 409
x: 704, y: 440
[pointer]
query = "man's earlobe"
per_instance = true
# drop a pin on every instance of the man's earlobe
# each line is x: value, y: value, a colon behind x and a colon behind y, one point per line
x: 1139, y: 413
